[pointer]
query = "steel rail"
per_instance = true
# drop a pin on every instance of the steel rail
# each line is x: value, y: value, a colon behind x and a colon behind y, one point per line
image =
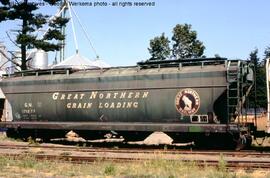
x: 244, y: 159
x: 241, y: 153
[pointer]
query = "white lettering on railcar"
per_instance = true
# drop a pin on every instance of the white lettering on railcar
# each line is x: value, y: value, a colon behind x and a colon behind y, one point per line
x: 102, y: 100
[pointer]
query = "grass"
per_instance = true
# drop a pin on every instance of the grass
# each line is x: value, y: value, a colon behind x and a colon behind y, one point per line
x: 28, y: 166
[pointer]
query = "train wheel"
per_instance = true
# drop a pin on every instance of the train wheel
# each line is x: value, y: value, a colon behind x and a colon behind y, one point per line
x: 32, y: 134
x: 27, y: 134
x: 12, y: 133
x: 205, y: 140
x: 217, y: 141
x: 244, y: 142
x: 18, y: 133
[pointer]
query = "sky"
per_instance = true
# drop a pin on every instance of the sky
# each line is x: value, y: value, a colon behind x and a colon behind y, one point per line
x: 121, y: 35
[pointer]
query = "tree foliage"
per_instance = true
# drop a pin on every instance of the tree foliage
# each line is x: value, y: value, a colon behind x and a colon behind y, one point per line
x: 24, y: 12
x: 185, y: 42
x: 258, y: 92
x: 267, y: 52
x: 159, y: 48
x: 253, y: 57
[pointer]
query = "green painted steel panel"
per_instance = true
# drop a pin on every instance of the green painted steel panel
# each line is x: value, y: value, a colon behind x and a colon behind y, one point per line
x: 165, y: 95
x: 195, y: 129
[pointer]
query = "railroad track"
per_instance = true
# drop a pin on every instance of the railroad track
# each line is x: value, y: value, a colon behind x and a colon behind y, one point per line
x: 248, y: 159
x: 241, y: 153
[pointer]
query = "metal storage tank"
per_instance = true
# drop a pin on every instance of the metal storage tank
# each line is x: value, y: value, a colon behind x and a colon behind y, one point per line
x: 39, y: 60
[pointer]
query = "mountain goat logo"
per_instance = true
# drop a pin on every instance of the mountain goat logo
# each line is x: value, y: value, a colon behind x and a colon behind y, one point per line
x: 187, y: 101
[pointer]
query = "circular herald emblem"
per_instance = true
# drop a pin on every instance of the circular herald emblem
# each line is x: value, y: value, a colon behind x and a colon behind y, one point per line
x: 187, y: 101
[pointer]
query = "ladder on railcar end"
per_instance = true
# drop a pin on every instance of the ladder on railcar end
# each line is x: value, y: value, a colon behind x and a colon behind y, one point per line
x: 234, y: 90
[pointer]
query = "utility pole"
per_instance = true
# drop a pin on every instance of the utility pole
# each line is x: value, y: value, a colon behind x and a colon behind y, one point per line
x: 267, y: 65
x: 63, y: 31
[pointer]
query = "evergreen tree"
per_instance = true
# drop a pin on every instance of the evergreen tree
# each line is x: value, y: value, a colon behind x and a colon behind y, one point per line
x: 267, y: 52
x: 253, y: 57
x: 185, y: 42
x: 159, y: 48
x: 258, y: 92
x: 24, y: 12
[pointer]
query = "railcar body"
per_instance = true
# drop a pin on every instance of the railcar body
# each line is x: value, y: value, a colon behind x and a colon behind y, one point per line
x: 177, y: 96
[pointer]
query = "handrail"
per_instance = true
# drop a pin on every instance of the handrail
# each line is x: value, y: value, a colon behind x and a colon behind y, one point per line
x: 181, y: 62
x: 39, y: 71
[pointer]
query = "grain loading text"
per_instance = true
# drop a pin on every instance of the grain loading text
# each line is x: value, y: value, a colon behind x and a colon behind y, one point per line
x: 102, y: 100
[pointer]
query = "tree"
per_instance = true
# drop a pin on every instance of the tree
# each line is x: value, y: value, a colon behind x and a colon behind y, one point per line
x: 159, y: 48
x: 267, y: 52
x: 185, y: 43
x: 253, y: 57
x: 24, y: 12
x: 258, y: 94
